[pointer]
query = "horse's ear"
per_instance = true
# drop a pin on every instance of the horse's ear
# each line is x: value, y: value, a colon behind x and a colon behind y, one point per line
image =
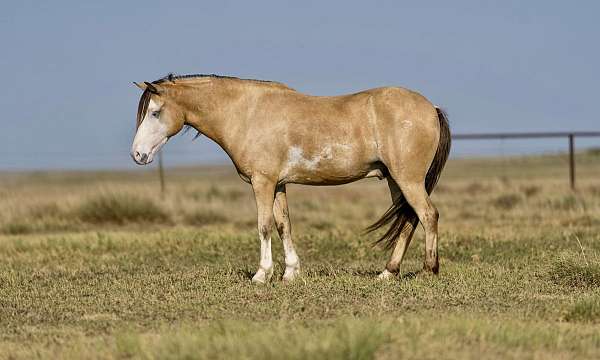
x: 147, y: 86
x: 140, y: 85
x: 150, y: 87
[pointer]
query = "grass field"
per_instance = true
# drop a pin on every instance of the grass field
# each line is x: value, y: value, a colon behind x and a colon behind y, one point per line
x: 98, y: 265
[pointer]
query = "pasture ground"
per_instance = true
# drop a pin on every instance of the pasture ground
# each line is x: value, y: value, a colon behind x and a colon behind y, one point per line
x: 96, y: 265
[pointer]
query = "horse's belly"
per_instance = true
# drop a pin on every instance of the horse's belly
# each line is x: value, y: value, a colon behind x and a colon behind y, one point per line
x: 333, y: 165
x: 308, y: 178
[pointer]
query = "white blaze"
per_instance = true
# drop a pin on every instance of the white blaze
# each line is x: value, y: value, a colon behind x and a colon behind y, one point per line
x: 150, y: 136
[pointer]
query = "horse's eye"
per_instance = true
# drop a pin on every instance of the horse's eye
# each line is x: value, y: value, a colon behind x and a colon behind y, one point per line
x: 156, y: 114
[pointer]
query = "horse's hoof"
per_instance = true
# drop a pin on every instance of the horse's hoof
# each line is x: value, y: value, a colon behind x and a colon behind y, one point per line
x: 290, y: 274
x: 262, y: 276
x: 386, y: 275
x: 432, y: 268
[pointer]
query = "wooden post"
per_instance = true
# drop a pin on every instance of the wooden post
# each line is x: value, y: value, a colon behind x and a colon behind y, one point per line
x: 161, y: 174
x: 572, y: 160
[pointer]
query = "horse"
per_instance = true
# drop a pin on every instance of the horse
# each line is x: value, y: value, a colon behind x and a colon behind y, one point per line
x: 276, y: 136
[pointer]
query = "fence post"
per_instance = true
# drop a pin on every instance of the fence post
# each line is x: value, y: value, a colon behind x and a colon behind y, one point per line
x: 161, y: 174
x: 572, y: 160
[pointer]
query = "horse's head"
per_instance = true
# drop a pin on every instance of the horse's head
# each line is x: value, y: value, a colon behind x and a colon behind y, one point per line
x: 158, y: 118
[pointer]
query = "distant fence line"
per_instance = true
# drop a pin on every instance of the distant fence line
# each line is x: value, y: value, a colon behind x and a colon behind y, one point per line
x: 536, y: 135
x: 526, y: 135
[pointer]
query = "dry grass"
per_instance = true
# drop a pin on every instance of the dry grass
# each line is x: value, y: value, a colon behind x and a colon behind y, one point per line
x: 124, y: 208
x: 506, y: 201
x: 203, y: 217
x: 97, y: 265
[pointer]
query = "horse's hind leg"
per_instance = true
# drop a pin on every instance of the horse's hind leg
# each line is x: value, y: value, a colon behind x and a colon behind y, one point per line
x: 415, y: 194
x: 282, y: 221
x: 393, y: 265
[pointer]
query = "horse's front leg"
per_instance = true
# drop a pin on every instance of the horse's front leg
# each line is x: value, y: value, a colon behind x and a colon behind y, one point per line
x: 284, y: 229
x: 264, y: 191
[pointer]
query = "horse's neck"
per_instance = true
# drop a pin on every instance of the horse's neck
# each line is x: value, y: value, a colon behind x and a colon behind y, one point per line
x: 212, y: 110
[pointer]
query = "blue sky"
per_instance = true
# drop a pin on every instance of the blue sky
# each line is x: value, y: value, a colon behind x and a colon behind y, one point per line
x: 67, y: 100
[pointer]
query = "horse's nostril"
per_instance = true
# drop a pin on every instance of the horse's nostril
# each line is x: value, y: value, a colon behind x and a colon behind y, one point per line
x: 144, y: 157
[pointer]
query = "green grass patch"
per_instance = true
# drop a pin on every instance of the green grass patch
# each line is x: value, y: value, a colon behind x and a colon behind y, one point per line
x: 575, y: 271
x: 585, y: 310
x: 18, y: 228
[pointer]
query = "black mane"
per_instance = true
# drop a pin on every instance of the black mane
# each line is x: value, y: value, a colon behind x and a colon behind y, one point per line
x: 173, y: 77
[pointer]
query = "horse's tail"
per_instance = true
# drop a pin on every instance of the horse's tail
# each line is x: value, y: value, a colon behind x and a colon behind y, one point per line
x: 401, y: 214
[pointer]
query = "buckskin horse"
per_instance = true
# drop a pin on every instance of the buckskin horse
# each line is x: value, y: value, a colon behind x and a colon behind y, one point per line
x: 275, y: 136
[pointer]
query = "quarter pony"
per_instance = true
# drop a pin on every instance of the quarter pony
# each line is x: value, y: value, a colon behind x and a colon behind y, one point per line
x: 276, y: 136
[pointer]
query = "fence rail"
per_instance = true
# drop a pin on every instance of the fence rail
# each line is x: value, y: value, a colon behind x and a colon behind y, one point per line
x: 525, y: 135
x: 537, y: 135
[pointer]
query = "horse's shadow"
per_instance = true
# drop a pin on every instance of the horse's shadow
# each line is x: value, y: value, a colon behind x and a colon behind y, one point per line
x: 245, y: 274
x: 410, y: 275
x: 248, y: 274
x: 374, y: 273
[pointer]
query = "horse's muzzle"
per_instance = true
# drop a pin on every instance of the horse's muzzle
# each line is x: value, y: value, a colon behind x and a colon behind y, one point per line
x: 140, y: 158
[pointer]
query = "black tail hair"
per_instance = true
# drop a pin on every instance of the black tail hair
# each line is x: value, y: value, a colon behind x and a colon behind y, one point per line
x: 400, y: 214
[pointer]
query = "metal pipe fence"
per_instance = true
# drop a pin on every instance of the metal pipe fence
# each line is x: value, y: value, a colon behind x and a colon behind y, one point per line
x: 537, y: 135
